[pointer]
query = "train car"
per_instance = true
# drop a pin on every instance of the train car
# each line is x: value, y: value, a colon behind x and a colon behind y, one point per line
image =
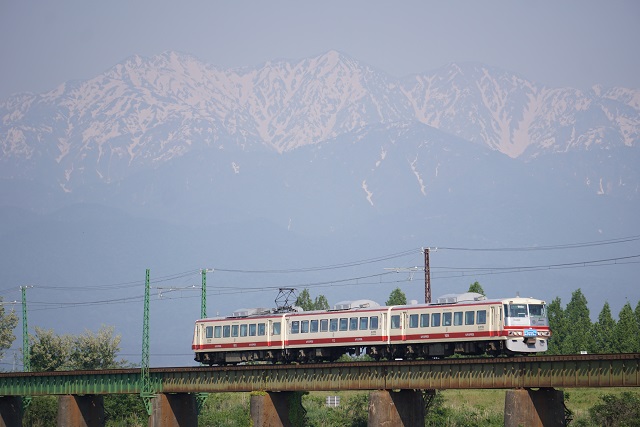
x: 465, y: 324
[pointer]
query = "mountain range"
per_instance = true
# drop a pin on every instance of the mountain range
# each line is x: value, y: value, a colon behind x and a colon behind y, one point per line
x: 168, y: 161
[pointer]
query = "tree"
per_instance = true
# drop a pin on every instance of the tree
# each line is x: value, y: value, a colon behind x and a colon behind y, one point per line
x: 475, y: 287
x: 617, y: 411
x: 626, y: 331
x: 8, y: 323
x: 637, y: 313
x: 49, y: 351
x: 321, y: 303
x: 397, y: 297
x: 557, y: 324
x: 579, y: 336
x: 52, y: 352
x: 96, y: 351
x: 603, y: 332
x: 304, y: 300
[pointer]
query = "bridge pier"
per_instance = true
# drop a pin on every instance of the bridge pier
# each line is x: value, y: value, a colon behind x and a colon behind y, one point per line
x: 534, y: 408
x: 403, y: 408
x: 174, y: 410
x: 80, y: 411
x: 277, y: 409
x: 10, y: 411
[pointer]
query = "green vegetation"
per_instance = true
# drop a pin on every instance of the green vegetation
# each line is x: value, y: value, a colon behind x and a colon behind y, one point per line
x: 304, y: 301
x: 8, y: 322
x: 476, y: 287
x: 397, y: 297
x: 574, y: 332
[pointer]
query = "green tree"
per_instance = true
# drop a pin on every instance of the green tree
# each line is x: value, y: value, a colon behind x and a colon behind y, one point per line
x: 637, y: 313
x: 557, y: 324
x: 603, y: 332
x: 476, y: 287
x: 304, y: 300
x: 623, y: 410
x: 397, y: 297
x: 8, y: 323
x: 49, y: 351
x: 579, y: 336
x: 96, y: 351
x: 321, y: 303
x: 626, y: 331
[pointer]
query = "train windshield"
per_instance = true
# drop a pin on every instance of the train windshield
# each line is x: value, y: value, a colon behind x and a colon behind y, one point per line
x: 537, y: 310
x: 525, y: 310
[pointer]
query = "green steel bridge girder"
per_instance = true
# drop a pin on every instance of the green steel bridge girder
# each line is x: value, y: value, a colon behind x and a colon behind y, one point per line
x: 619, y: 370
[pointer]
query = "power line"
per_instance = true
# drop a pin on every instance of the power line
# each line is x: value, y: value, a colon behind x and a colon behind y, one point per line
x: 547, y: 247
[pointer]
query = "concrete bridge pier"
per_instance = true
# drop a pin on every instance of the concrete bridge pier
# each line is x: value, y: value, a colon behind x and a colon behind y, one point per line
x: 534, y: 408
x: 277, y: 409
x: 404, y: 408
x: 10, y: 411
x: 81, y: 411
x: 174, y: 410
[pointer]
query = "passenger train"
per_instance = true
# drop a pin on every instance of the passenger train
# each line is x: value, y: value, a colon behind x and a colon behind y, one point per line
x: 466, y: 324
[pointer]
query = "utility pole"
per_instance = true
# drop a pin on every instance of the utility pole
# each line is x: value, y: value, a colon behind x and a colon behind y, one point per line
x: 26, y: 351
x: 427, y: 277
x: 203, y: 294
x: 146, y: 391
x: 202, y: 397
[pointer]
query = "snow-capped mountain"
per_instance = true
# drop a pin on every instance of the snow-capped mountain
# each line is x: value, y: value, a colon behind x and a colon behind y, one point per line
x: 145, y: 112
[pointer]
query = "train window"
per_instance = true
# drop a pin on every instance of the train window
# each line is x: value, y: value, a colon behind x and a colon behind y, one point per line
x: 353, y: 324
x: 413, y: 321
x: 276, y: 328
x: 243, y: 330
x: 373, y: 322
x: 234, y: 330
x: 457, y: 318
x: 333, y: 325
x: 304, y: 327
x: 469, y: 317
x: 364, y: 323
x: 481, y: 317
x: 314, y: 326
x: 424, y: 320
x: 252, y: 330
x: 209, y: 331
x: 446, y: 319
x: 217, y: 332
x: 344, y: 323
x: 395, y: 321
x: 261, y: 329
x: 295, y: 327
x: 324, y: 325
x: 537, y: 310
x: 435, y: 319
x: 515, y: 310
x: 226, y: 331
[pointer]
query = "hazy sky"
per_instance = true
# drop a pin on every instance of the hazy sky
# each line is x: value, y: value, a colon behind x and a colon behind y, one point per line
x: 559, y: 43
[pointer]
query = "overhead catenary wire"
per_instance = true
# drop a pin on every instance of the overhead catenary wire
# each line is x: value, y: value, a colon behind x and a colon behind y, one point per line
x: 442, y: 272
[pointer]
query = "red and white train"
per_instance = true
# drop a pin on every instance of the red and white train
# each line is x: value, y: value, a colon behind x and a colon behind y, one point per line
x: 465, y: 324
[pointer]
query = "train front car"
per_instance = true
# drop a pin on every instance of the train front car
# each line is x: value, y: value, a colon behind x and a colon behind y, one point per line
x: 525, y: 325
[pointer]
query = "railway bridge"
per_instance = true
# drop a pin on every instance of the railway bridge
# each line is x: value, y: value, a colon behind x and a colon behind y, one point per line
x: 531, y: 382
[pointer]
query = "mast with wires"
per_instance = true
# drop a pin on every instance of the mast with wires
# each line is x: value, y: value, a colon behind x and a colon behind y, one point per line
x: 26, y: 351
x: 146, y: 391
x: 201, y: 398
x: 427, y: 277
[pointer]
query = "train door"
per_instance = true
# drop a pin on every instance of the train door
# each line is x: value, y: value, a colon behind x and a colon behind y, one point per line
x: 403, y: 325
x: 492, y: 321
x: 269, y: 331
